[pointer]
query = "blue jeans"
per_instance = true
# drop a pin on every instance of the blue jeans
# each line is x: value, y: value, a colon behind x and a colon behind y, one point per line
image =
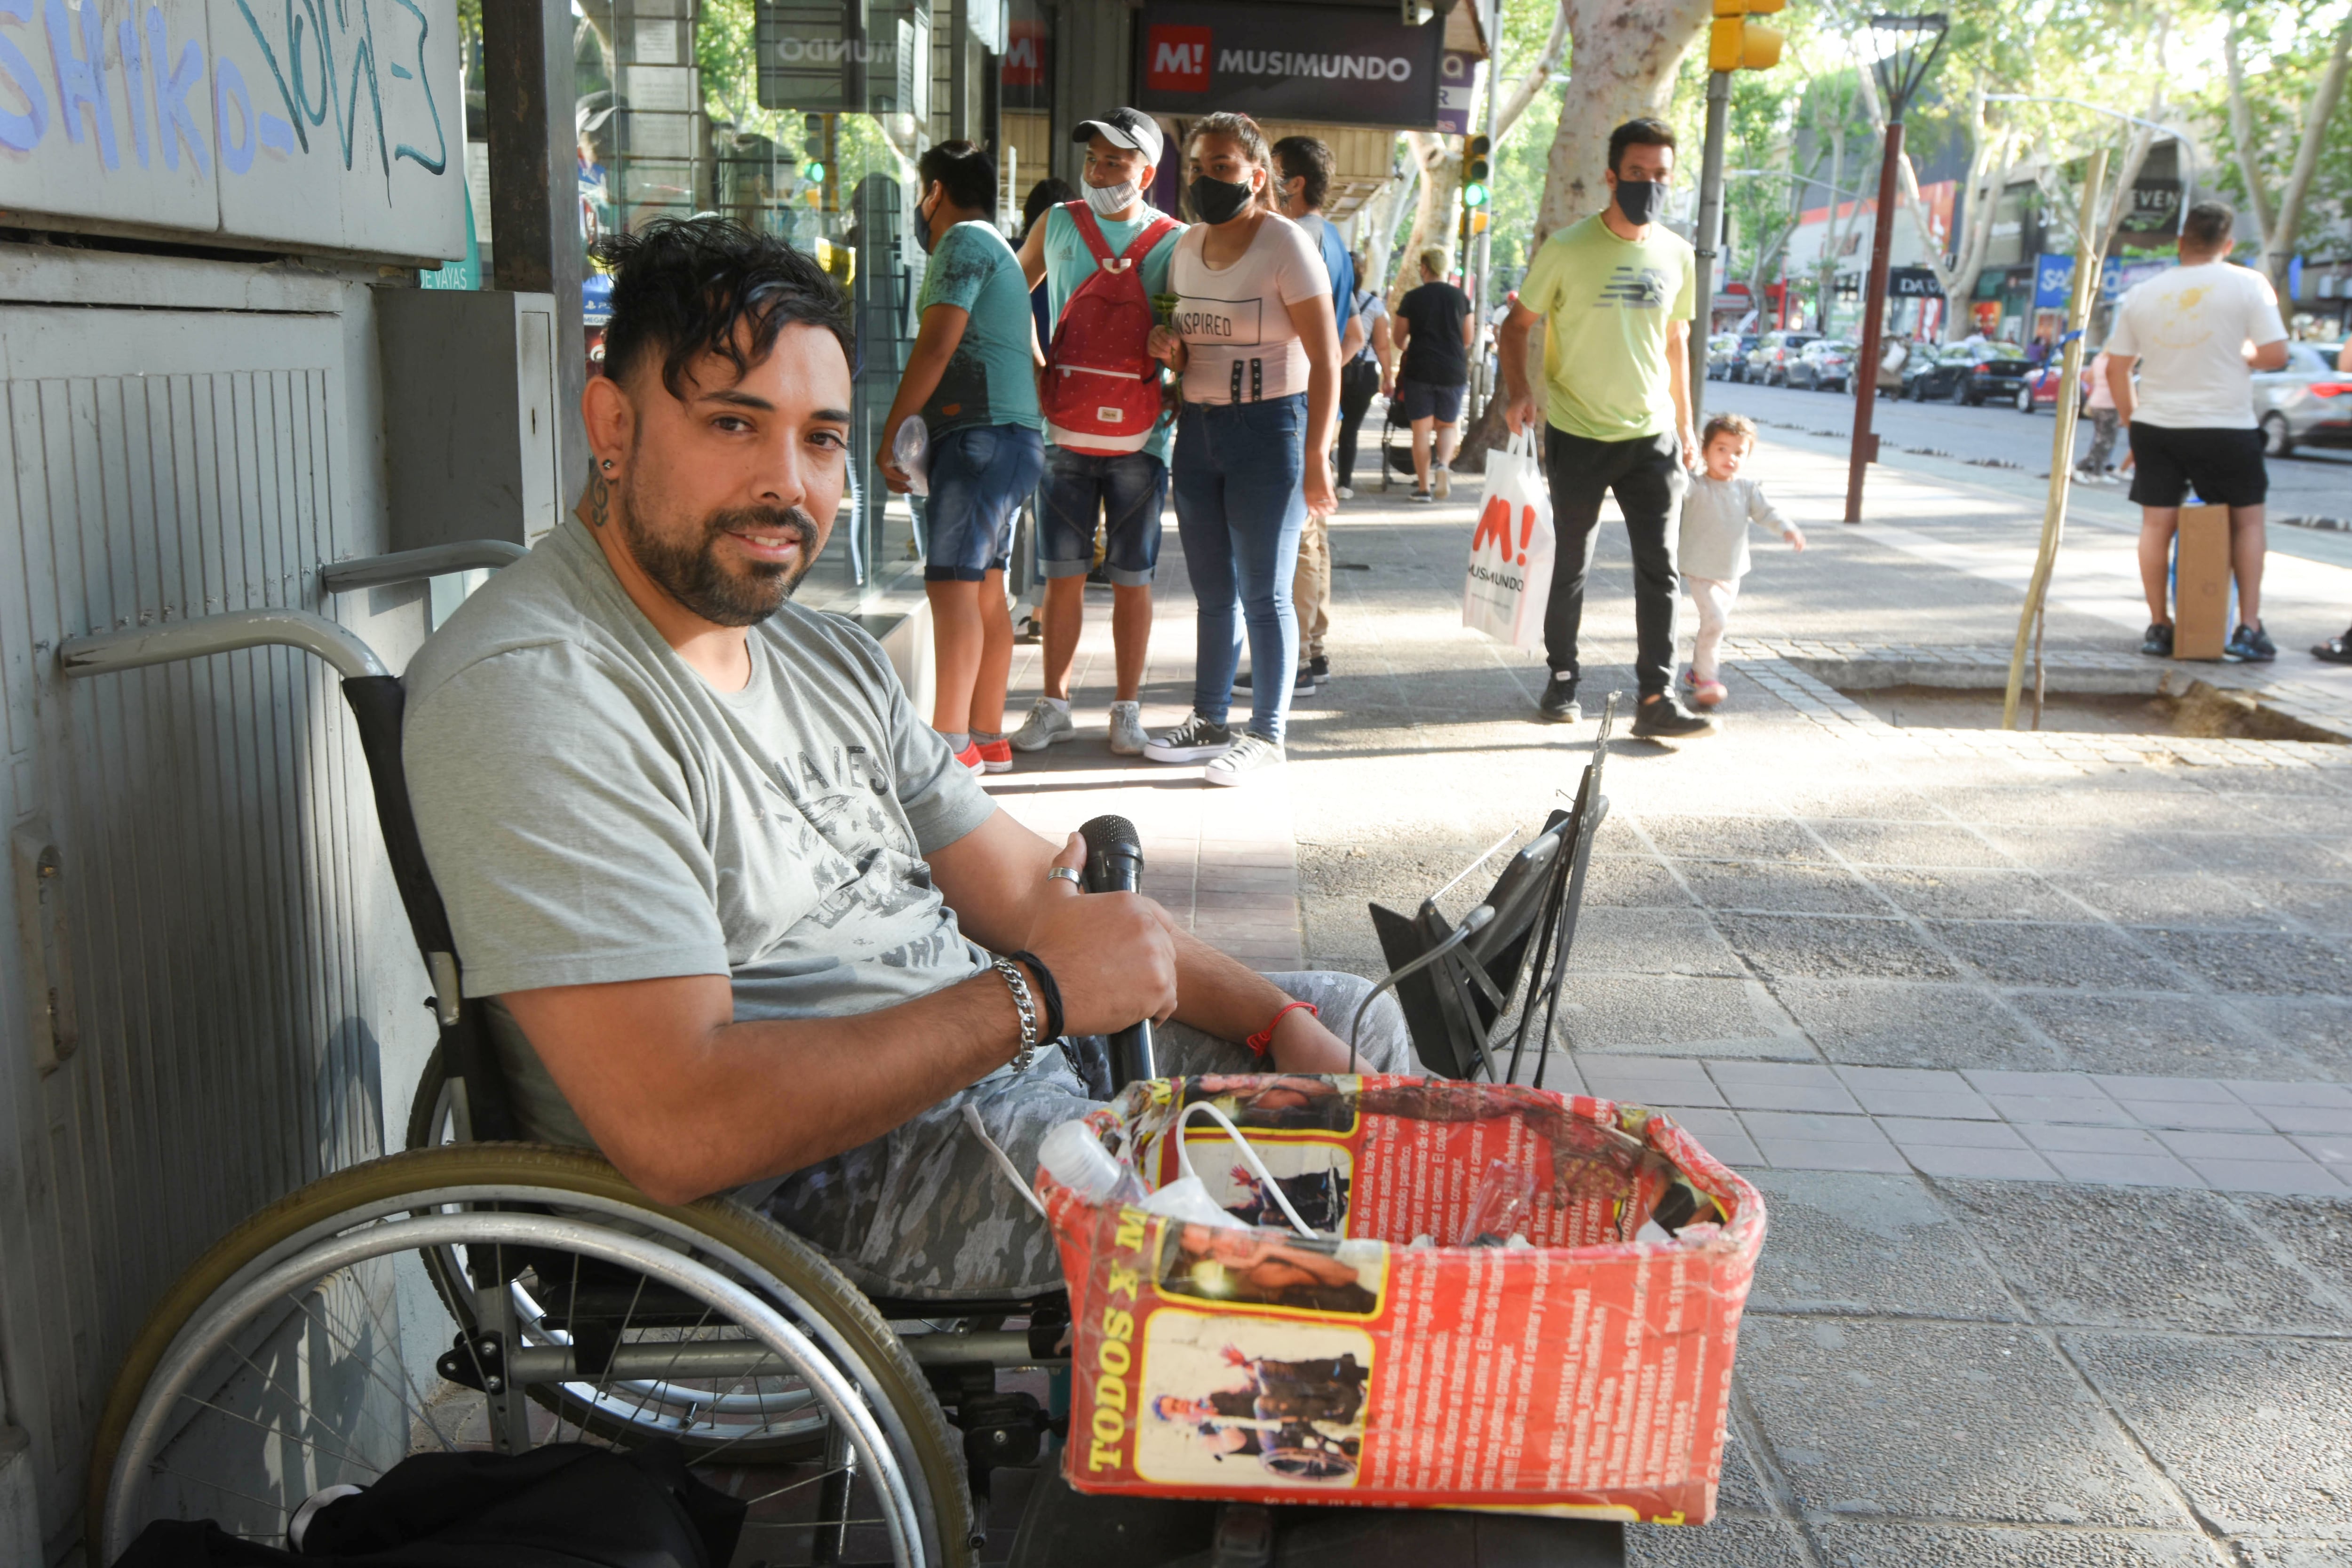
x: 1237, y: 472
x: 979, y: 475
x: 1127, y: 490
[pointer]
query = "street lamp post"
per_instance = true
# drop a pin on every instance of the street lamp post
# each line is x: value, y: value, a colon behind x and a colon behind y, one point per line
x: 1907, y: 47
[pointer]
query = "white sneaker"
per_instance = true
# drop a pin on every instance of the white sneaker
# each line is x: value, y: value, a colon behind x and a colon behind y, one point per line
x: 1127, y: 736
x: 1346, y: 492
x: 1195, y: 740
x: 1441, y: 482
x: 1046, y: 724
x: 1248, y: 757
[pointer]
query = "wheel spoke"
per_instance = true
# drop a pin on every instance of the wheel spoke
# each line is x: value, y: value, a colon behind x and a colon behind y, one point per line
x: 344, y: 1455
x: 367, y: 1365
x: 795, y: 1485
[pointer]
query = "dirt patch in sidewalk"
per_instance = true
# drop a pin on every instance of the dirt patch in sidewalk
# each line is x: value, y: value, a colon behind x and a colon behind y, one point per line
x: 2202, y: 711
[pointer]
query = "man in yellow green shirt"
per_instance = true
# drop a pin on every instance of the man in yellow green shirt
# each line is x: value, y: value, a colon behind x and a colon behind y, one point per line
x: 1616, y: 293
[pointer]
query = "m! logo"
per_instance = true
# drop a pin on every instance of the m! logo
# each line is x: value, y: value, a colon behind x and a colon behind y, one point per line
x: 1176, y: 59
x: 1494, y: 529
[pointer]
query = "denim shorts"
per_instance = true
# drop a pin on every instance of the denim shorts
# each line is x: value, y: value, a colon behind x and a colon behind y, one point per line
x: 1127, y: 490
x: 1424, y: 400
x: 980, y: 476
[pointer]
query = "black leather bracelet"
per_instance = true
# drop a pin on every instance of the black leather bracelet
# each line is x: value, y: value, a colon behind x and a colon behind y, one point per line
x: 1053, y: 993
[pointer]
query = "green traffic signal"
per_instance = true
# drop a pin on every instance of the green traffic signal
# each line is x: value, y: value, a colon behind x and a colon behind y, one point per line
x: 1474, y: 194
x: 813, y: 172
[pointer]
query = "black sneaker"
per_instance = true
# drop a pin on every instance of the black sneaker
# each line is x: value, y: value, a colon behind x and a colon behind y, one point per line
x: 1196, y: 740
x: 1421, y: 496
x: 1308, y: 683
x: 1558, y: 705
x: 2158, y: 644
x: 2252, y: 645
x: 1320, y: 668
x: 1663, y: 719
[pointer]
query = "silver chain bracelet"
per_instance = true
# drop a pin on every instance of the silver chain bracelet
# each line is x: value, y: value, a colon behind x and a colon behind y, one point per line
x: 1018, y: 983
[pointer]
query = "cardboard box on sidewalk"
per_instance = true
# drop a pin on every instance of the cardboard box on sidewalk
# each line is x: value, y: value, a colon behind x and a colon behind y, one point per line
x: 2201, y: 584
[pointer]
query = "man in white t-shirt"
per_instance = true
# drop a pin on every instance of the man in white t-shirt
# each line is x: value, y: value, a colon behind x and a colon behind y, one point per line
x: 2197, y: 335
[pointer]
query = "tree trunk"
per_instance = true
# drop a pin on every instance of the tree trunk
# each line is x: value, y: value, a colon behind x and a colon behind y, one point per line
x: 1625, y: 56
x: 2278, y: 235
x: 1434, y: 210
x: 2242, y: 136
x: 1546, y: 65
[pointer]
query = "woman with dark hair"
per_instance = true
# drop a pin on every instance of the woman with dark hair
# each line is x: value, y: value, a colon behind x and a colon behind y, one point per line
x: 1255, y: 340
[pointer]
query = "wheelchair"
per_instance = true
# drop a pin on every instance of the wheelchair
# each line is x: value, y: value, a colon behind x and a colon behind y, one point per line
x: 282, y: 1366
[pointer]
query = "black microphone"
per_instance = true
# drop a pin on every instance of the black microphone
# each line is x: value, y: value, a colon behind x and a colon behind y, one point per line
x: 1114, y: 865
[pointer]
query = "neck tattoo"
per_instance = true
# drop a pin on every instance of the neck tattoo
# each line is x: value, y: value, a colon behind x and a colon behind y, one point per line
x: 599, y: 500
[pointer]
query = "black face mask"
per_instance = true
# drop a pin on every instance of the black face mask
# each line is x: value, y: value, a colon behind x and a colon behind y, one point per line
x: 923, y: 227
x: 1640, y: 200
x: 1218, y: 201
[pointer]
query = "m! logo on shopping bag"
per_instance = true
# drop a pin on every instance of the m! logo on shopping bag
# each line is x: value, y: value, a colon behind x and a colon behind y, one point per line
x: 1495, y: 527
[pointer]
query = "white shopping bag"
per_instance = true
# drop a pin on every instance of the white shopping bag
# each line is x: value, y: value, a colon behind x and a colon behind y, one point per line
x: 1509, y: 579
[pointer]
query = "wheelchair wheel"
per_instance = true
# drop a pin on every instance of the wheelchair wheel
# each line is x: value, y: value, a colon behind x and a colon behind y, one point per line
x: 274, y: 1365
x: 624, y: 1410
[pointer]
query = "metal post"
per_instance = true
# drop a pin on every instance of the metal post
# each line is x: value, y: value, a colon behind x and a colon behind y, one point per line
x: 1482, y: 302
x: 1707, y: 236
x: 528, y: 105
x: 1874, y: 319
x: 2088, y: 260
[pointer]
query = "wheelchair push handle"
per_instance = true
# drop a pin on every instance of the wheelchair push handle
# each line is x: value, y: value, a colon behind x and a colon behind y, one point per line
x: 1114, y: 865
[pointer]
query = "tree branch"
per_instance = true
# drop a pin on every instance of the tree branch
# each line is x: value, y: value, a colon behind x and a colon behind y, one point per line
x: 2279, y: 238
x: 2242, y: 134
x: 1523, y: 92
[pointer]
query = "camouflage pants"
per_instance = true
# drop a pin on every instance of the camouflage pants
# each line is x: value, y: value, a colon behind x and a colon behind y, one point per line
x: 925, y: 1213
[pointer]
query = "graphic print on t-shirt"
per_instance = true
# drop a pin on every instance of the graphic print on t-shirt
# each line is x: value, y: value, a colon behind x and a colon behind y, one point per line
x: 1235, y: 324
x: 1633, y: 288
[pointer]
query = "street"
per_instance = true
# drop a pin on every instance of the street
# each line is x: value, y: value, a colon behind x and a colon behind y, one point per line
x: 2308, y: 484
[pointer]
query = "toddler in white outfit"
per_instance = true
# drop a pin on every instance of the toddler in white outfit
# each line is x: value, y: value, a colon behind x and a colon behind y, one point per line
x: 1713, y: 556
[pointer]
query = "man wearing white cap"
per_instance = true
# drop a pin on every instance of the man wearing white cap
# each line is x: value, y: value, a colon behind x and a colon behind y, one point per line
x: 1118, y: 473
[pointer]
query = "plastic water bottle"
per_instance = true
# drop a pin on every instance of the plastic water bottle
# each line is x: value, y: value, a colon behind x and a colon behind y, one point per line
x: 1074, y: 1157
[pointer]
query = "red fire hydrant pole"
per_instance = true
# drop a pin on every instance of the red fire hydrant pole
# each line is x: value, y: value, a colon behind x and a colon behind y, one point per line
x: 1873, y: 318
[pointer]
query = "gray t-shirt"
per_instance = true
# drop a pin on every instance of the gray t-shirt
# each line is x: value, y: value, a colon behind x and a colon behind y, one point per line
x: 594, y: 811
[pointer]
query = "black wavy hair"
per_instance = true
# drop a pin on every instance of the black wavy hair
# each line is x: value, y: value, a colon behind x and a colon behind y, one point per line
x: 1306, y: 158
x: 1642, y: 132
x: 963, y: 171
x: 683, y: 287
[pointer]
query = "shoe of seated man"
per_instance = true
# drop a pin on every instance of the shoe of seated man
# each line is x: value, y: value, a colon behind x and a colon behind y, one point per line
x: 1663, y: 719
x: 2158, y: 643
x: 2335, y: 650
x: 1196, y: 740
x: 1047, y: 723
x: 2252, y: 645
x: 1127, y: 736
x: 1253, y: 756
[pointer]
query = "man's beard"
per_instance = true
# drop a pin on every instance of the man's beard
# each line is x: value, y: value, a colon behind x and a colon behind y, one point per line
x: 691, y: 573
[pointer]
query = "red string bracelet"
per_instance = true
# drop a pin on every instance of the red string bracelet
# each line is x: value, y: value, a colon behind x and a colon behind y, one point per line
x: 1263, y: 1041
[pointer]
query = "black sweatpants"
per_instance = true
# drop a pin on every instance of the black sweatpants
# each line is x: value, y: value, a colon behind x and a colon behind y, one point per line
x: 1647, y: 477
x: 1358, y: 379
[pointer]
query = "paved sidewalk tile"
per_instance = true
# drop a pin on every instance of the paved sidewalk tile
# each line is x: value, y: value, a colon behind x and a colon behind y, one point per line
x: 2280, y: 1176
x: 1720, y: 1133
x: 2268, y: 1093
x: 2133, y: 1086
x: 2090, y: 1140
x: 2090, y: 1110
x: 1820, y: 1155
x: 2334, y: 1152
x: 2319, y: 1119
x: 1990, y: 1082
x: 2125, y: 1170
x: 2229, y: 1145
x: 1807, y: 1125
x: 1990, y: 1165
x: 1649, y: 1080
x: 2218, y: 1115
x: 1748, y: 1095
x: 1908, y: 1130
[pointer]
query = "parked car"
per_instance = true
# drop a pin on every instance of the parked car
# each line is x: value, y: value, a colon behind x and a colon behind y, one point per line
x: 1768, y: 361
x: 2308, y: 403
x: 1825, y: 364
x: 2039, y: 391
x: 1970, y: 376
x: 1726, y: 355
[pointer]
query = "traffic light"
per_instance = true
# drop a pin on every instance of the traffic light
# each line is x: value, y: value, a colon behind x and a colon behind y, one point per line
x: 1736, y: 43
x: 1476, y: 171
x: 1478, y: 222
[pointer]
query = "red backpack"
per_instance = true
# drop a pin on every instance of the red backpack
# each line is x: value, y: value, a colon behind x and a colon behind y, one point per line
x: 1102, y: 386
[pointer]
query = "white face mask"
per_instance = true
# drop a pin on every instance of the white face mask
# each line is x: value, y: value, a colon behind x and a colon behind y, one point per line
x: 1109, y: 201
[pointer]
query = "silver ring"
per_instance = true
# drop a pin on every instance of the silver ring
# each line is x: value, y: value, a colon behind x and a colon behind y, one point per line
x: 1067, y: 874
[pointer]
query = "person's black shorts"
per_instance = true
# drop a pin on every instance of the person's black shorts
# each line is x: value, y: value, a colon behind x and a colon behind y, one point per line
x: 2224, y: 467
x: 1421, y: 400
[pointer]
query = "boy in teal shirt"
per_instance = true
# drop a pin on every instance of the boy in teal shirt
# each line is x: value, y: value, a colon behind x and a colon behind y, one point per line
x: 971, y: 375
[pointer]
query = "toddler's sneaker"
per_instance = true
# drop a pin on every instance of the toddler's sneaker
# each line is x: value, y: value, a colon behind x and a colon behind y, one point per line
x: 1701, y: 693
x: 1046, y: 723
x: 1249, y: 757
x: 995, y: 756
x: 1196, y: 740
x: 1127, y: 736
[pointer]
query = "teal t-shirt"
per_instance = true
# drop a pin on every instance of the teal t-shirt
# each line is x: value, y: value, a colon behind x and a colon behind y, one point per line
x: 1067, y: 263
x: 991, y: 378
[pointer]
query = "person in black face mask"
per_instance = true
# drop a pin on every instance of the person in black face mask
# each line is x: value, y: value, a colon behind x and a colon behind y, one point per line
x: 1254, y: 335
x: 1617, y: 291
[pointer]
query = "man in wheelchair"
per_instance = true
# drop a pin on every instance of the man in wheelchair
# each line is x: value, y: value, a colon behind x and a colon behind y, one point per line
x: 748, y: 924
